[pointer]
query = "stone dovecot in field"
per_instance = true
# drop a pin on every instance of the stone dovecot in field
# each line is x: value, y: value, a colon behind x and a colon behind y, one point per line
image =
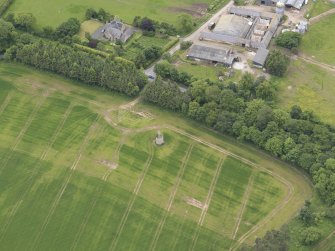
x: 159, y: 139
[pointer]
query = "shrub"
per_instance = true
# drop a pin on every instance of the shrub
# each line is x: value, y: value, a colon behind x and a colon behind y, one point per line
x: 310, y: 236
x: 288, y: 40
x: 185, y: 45
x: 277, y: 63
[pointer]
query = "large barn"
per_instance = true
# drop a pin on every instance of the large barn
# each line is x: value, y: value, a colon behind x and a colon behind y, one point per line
x: 244, y: 27
x: 212, y: 54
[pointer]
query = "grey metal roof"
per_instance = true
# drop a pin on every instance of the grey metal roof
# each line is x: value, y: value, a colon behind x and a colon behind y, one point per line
x: 244, y: 12
x: 222, y: 38
x: 295, y: 3
x: 232, y: 25
x: 220, y: 55
x: 261, y: 56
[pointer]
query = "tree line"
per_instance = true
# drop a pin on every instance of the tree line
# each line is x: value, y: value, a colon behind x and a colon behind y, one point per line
x: 245, y: 111
x: 112, y: 73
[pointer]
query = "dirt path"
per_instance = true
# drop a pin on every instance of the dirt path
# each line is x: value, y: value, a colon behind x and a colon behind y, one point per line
x: 244, y: 204
x: 132, y: 200
x: 172, y: 197
x: 315, y: 62
x: 317, y: 18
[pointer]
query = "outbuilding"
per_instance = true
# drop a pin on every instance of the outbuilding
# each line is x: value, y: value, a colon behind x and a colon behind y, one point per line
x: 260, y: 57
x: 215, y: 55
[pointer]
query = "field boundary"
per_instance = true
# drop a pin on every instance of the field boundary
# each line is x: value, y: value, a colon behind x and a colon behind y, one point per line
x: 133, y: 198
x: 172, y: 197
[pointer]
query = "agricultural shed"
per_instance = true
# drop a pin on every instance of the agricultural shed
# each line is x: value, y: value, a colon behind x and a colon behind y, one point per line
x: 233, y: 26
x: 244, y: 12
x: 212, y: 54
x: 295, y: 3
x: 260, y: 57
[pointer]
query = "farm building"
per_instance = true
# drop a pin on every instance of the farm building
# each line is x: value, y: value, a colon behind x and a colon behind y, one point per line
x: 224, y: 56
x: 244, y: 27
x: 297, y: 4
x: 114, y: 31
x: 260, y: 57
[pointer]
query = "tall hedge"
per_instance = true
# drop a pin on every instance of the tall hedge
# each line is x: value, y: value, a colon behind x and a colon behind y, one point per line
x: 113, y: 73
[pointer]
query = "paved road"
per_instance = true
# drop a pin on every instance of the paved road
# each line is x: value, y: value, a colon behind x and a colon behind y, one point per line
x: 194, y: 37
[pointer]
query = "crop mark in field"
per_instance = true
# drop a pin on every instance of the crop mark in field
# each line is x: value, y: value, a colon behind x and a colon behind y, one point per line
x: 9, y: 219
x: 65, y: 184
x: 179, y: 232
x: 244, y: 204
x: 288, y: 184
x: 207, y: 202
x: 5, y: 103
x: 116, y: 157
x: 132, y: 200
x: 85, y: 221
x: 18, y: 204
x: 172, y: 197
x: 55, y: 135
x: 22, y: 132
x: 271, y: 214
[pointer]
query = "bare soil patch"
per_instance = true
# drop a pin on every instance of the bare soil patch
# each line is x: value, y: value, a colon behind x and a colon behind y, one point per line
x: 195, y: 203
x: 109, y: 164
x: 196, y: 10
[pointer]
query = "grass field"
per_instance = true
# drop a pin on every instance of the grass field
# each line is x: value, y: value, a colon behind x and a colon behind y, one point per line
x: 78, y: 172
x: 319, y: 7
x: 167, y: 11
x: 317, y: 43
x: 311, y: 87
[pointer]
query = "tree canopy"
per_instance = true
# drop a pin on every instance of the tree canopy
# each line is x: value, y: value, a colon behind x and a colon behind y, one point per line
x: 7, y: 35
x: 277, y: 63
x: 288, y: 39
